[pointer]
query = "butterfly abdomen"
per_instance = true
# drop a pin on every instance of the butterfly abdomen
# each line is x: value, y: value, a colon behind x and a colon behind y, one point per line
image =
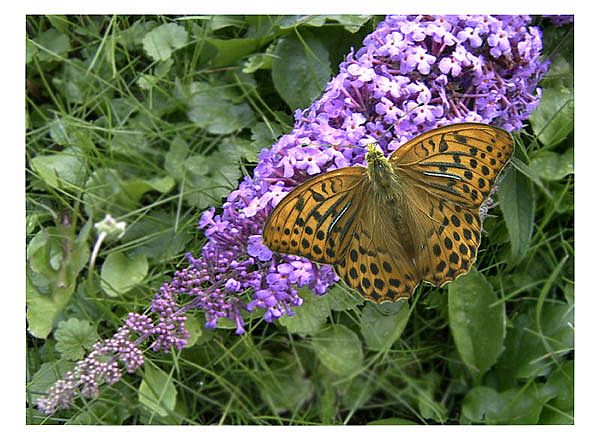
x: 386, y: 190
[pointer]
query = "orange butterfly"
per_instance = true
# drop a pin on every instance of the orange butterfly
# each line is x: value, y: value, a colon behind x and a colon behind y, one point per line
x: 410, y: 217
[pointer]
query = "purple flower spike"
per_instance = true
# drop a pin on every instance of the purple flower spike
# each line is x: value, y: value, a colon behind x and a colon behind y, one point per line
x: 413, y: 73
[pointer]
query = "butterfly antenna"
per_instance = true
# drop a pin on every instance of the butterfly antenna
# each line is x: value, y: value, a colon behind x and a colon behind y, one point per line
x: 401, y: 117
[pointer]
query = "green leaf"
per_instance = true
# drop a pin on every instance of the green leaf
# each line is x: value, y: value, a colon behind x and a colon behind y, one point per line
x: 352, y: 23
x: 45, y: 377
x: 514, y: 406
x: 342, y: 298
x: 135, y: 188
x: 309, y: 317
x: 96, y: 412
x: 477, y: 328
x: 355, y: 392
x: 553, y: 120
x: 231, y: 50
x: 175, y: 158
x: 74, y: 338
x: 210, y: 110
x: 209, y: 178
x: 525, y: 354
x: 265, y: 135
x: 423, y: 391
x: 104, y: 193
x: 120, y: 273
x: 155, y: 237
x: 258, y: 61
x: 382, y: 325
x: 54, y: 46
x: 75, y: 83
x: 54, y: 259
x: 560, y: 387
x: 517, y: 201
x: 300, y: 69
x: 284, y: 386
x: 157, y: 391
x: 198, y: 333
x: 391, y: 421
x: 161, y: 41
x: 339, y: 349
x: 552, y: 166
x: 62, y: 170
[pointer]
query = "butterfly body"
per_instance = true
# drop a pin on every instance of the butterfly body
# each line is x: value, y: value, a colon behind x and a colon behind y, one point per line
x: 400, y: 220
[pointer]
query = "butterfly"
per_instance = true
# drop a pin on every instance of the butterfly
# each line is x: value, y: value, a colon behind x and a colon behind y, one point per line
x: 400, y: 220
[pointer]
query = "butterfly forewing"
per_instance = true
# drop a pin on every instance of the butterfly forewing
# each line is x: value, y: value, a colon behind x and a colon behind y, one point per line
x: 458, y: 163
x: 316, y: 219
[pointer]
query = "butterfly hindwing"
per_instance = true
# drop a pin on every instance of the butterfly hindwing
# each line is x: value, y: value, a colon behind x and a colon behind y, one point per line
x: 458, y: 162
x: 375, y: 264
x: 316, y: 219
x: 451, y: 238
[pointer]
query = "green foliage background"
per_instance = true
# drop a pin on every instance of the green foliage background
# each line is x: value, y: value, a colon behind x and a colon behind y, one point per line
x: 153, y: 119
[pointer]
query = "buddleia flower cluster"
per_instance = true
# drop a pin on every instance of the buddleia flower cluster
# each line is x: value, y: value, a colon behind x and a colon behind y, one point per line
x: 412, y: 74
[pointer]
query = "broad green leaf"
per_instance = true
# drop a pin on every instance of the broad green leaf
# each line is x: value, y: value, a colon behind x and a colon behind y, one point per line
x: 104, y: 193
x: 74, y: 338
x: 284, y: 387
x: 62, y: 170
x: 137, y: 187
x: 309, y: 317
x: 525, y: 354
x: 352, y: 23
x: 155, y: 237
x: 54, y: 259
x: 265, y: 135
x: 134, y: 35
x: 554, y: 118
x: 121, y: 273
x: 258, y: 61
x: 339, y: 349
x: 100, y: 412
x: 157, y: 391
x: 45, y: 377
x: 342, y: 298
x: 382, y: 325
x: 211, y: 111
x: 54, y: 46
x: 552, y: 166
x: 355, y: 392
x: 477, y: 328
x: 291, y: 21
x: 514, y: 406
x: 210, y: 178
x: 429, y: 407
x: 392, y: 421
x: 59, y: 22
x: 517, y: 201
x: 198, y: 333
x: 75, y: 83
x: 216, y: 22
x: 231, y: 50
x: 161, y: 41
x: 300, y: 69
x: 560, y: 387
x: 175, y: 158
